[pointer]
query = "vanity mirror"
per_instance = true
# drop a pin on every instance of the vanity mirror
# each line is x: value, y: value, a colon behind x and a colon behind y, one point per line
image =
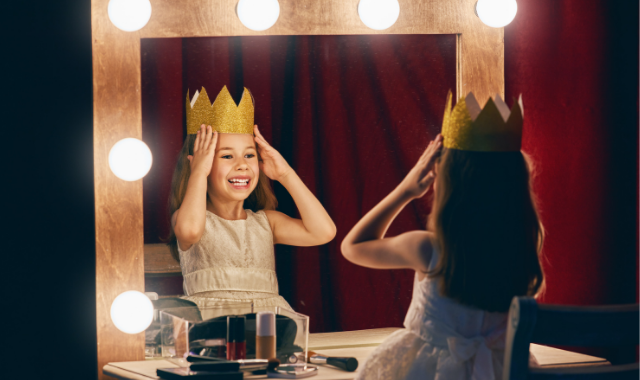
x: 351, y: 115
x: 471, y: 51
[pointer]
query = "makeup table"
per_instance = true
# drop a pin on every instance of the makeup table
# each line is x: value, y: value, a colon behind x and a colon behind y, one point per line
x: 358, y: 344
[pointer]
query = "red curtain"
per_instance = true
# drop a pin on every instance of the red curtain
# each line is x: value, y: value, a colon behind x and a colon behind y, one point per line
x: 352, y: 113
x: 576, y: 64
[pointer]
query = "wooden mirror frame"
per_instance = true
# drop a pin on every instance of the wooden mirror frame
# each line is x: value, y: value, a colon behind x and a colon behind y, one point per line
x: 117, y: 111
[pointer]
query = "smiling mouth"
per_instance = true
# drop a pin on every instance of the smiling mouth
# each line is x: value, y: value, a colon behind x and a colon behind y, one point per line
x: 239, y: 183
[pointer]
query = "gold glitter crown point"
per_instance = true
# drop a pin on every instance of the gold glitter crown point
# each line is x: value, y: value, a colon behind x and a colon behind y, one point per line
x: 224, y: 115
x: 494, y: 128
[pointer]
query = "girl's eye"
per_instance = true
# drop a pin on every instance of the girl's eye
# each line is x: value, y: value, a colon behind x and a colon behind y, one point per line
x: 228, y: 156
x: 250, y: 155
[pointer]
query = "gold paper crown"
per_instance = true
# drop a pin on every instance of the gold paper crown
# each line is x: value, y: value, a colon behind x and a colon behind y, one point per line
x: 223, y: 115
x: 494, y: 128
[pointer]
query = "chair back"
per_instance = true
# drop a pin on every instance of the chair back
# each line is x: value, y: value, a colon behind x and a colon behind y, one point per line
x: 570, y: 326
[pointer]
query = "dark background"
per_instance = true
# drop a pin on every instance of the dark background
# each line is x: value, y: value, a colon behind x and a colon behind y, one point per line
x: 575, y: 61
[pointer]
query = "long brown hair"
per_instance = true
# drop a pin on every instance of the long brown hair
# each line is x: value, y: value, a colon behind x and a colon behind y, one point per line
x: 261, y: 198
x: 488, y: 232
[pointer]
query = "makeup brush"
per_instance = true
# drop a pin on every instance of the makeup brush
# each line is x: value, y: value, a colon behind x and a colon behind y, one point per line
x: 347, y: 364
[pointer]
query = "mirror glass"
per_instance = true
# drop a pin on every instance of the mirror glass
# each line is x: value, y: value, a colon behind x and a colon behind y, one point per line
x: 351, y: 114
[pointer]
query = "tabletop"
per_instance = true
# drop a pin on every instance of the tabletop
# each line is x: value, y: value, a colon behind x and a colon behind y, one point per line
x: 358, y: 344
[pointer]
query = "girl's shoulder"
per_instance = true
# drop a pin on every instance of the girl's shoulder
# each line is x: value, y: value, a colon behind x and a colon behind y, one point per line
x: 274, y: 218
x: 270, y: 214
x: 262, y: 216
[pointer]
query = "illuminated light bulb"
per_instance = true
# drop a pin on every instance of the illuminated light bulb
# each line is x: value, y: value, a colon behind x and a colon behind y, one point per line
x: 496, y: 13
x: 132, y: 312
x: 379, y: 14
x: 129, y: 15
x: 258, y: 15
x: 130, y: 159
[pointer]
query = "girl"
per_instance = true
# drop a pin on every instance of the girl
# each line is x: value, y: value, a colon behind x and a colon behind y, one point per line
x: 223, y: 220
x: 480, y: 249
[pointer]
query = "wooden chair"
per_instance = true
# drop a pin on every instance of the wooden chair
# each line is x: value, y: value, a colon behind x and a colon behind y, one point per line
x: 569, y: 326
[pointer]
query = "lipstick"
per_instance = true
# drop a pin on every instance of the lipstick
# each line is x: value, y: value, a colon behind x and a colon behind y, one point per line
x: 236, y: 343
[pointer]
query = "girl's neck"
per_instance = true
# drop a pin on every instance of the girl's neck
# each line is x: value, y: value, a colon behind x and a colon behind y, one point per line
x: 232, y: 210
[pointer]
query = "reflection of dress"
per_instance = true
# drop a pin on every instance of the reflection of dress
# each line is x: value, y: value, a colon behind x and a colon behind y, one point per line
x: 233, y: 261
x: 442, y: 340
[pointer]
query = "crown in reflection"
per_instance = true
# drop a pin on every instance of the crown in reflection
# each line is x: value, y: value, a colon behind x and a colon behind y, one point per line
x: 493, y: 128
x: 223, y: 115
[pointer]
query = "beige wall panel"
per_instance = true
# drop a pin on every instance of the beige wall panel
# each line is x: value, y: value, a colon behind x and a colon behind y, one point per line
x: 183, y: 18
x: 481, y: 61
x: 118, y: 204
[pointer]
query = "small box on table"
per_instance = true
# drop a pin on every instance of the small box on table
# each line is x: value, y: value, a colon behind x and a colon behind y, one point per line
x: 203, y: 331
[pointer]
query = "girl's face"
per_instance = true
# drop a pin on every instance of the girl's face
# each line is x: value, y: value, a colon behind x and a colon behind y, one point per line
x: 235, y: 169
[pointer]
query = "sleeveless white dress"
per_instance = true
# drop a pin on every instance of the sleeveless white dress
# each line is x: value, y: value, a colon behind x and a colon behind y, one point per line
x: 233, y: 262
x: 442, y: 340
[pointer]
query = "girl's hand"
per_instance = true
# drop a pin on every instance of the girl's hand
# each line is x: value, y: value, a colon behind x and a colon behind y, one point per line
x: 420, y: 178
x: 273, y: 164
x: 204, y: 150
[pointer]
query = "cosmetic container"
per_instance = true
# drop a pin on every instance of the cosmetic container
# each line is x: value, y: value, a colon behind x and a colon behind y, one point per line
x: 203, y: 331
x: 265, y: 335
x: 236, y: 344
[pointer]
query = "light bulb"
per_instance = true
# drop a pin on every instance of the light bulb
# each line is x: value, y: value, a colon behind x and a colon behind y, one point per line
x: 379, y: 14
x: 258, y: 15
x: 496, y: 13
x: 132, y: 312
x: 129, y: 15
x: 130, y: 159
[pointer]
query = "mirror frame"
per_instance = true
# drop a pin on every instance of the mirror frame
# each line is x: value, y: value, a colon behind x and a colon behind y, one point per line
x: 117, y: 111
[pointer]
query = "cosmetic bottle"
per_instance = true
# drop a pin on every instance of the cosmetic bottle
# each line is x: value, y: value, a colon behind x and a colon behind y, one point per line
x: 236, y: 344
x: 265, y: 335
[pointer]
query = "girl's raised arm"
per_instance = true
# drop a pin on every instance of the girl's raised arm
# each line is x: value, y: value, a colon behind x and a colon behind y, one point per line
x: 365, y: 244
x: 315, y: 226
x: 189, y: 220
